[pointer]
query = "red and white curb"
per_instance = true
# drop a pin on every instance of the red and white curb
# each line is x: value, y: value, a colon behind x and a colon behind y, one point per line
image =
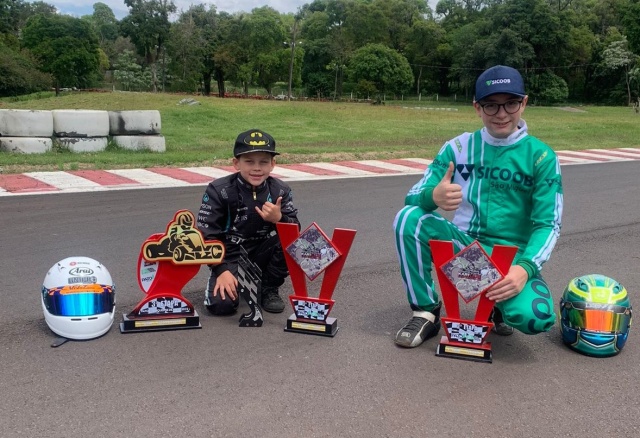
x: 120, y: 179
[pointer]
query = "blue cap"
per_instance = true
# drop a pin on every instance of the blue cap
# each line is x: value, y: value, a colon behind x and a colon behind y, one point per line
x: 499, y: 79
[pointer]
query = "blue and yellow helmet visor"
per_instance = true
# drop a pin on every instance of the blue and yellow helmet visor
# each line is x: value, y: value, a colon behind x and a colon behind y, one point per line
x: 79, y: 300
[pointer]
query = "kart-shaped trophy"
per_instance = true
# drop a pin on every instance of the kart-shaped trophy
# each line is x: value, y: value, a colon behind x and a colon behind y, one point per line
x: 167, y: 262
x: 469, y: 273
x: 309, y: 254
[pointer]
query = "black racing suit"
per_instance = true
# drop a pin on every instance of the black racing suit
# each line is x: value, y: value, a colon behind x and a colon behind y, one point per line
x: 228, y: 214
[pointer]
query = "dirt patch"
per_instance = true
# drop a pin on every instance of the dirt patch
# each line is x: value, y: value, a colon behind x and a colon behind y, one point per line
x: 570, y: 109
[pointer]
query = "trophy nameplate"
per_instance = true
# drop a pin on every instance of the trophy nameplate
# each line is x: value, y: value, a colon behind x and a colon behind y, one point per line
x: 469, y: 274
x: 309, y: 254
x: 167, y: 262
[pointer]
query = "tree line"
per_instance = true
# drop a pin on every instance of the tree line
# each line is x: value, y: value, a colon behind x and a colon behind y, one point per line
x: 567, y: 50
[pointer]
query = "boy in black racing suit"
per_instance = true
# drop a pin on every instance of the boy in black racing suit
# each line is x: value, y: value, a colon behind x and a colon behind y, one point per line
x: 241, y: 210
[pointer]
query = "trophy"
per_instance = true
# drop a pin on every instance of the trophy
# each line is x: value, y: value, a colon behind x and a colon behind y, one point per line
x: 167, y: 262
x: 308, y: 254
x: 469, y: 274
x: 249, y: 282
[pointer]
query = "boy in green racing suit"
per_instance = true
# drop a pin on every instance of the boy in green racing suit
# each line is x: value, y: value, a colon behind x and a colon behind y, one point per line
x: 505, y: 188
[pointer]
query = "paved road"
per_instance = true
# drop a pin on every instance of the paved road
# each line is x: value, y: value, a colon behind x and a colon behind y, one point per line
x: 72, y: 181
x: 227, y: 381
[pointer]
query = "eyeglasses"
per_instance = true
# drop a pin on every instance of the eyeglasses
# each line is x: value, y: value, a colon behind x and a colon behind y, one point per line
x: 510, y: 107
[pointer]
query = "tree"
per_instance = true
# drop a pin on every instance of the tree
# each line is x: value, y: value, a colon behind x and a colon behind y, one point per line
x: 263, y: 35
x: 148, y: 27
x: 386, y: 68
x: 105, y: 22
x: 130, y: 74
x: 66, y: 47
x: 187, y: 47
x: 617, y: 56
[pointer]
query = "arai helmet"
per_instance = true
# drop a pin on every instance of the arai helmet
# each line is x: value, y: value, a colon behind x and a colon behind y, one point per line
x: 595, y: 315
x: 78, y: 298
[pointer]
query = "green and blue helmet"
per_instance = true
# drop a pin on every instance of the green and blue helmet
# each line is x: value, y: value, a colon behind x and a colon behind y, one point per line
x: 595, y: 315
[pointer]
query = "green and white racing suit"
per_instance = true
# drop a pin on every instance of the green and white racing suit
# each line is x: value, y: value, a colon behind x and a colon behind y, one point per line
x: 512, y: 195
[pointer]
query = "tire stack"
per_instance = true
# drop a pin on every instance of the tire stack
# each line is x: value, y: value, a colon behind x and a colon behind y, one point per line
x: 25, y: 131
x: 81, y: 130
x: 137, y: 130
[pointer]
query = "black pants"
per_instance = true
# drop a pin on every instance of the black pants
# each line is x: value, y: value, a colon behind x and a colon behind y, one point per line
x: 266, y: 254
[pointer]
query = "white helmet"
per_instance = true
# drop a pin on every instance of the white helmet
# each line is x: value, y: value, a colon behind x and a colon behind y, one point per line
x: 78, y: 298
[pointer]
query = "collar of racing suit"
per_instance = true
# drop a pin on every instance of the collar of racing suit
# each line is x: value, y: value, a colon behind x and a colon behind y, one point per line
x: 515, y: 137
x: 254, y: 190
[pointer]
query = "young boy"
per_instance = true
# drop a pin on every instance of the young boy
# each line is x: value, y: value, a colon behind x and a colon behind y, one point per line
x: 505, y: 188
x: 241, y: 210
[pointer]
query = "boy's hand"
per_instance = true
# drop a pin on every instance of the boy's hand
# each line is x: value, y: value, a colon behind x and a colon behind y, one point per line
x: 510, y: 286
x: 226, y: 284
x: 447, y: 195
x: 271, y: 212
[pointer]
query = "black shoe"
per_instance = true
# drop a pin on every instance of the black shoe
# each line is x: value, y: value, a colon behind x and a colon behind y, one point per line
x: 418, y: 330
x: 500, y: 328
x: 270, y: 300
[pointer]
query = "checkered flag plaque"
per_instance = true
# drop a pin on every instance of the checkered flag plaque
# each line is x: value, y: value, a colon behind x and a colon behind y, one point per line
x: 466, y: 332
x: 165, y: 306
x: 311, y: 310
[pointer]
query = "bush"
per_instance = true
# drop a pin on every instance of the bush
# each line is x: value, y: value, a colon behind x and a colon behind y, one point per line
x: 19, y: 73
x: 548, y: 89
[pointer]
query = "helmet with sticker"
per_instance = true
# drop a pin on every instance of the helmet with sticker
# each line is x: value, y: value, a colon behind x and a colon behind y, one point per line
x: 78, y: 298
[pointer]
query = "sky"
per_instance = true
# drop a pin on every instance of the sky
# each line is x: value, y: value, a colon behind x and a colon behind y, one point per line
x: 85, y: 7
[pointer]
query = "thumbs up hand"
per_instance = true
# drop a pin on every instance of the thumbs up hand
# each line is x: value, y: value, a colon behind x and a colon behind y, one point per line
x: 446, y: 194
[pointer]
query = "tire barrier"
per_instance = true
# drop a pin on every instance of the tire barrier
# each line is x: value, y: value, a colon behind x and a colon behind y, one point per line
x: 134, y: 122
x: 83, y: 144
x: 153, y: 143
x: 25, y: 123
x: 36, y: 131
x: 80, y: 123
x: 25, y: 145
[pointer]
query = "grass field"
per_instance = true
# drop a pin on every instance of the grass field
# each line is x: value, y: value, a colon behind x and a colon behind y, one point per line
x: 203, y: 135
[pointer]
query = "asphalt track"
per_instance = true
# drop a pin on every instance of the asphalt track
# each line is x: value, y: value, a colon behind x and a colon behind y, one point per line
x: 78, y: 181
x: 228, y: 381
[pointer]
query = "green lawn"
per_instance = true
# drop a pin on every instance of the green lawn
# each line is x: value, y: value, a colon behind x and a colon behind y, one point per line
x: 311, y: 131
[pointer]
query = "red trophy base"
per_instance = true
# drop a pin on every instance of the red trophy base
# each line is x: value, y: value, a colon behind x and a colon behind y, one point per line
x: 325, y: 328
x: 311, y: 316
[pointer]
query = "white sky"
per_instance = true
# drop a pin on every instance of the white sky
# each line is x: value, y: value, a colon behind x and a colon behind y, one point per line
x: 85, y: 7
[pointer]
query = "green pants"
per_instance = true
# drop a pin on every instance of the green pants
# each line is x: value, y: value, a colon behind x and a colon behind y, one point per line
x: 531, y: 311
